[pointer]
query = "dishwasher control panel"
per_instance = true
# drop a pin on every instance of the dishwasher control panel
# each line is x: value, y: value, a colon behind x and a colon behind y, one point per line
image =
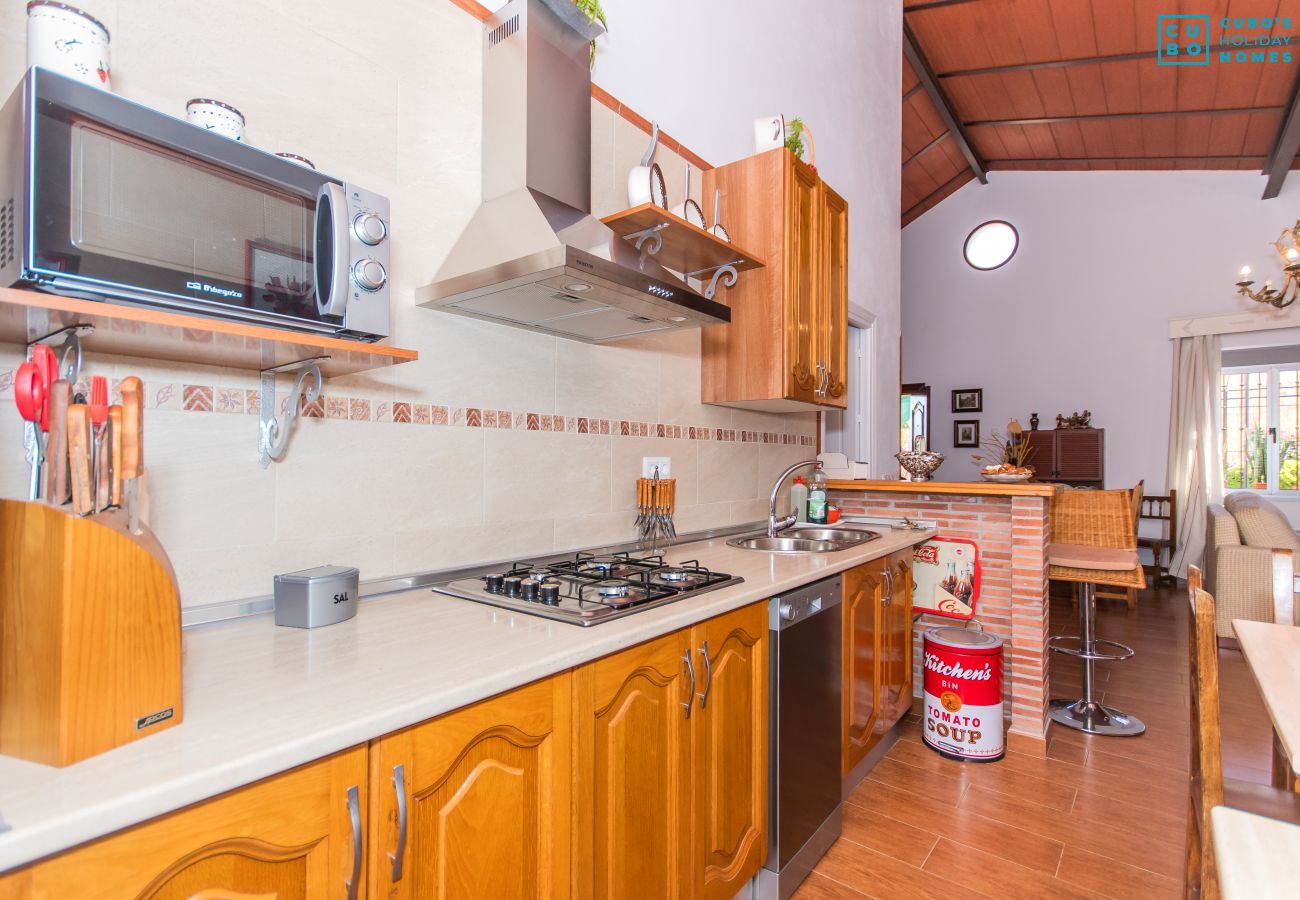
x: 800, y: 604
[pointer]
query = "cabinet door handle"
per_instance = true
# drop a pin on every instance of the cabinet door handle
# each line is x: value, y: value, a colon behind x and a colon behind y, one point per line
x: 354, y: 813
x: 889, y: 589
x: 708, y: 674
x: 690, y: 668
x: 399, y: 787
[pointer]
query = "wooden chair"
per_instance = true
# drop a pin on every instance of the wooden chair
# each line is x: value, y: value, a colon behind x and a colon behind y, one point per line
x: 1208, y: 787
x: 1163, y: 509
x: 1129, y: 594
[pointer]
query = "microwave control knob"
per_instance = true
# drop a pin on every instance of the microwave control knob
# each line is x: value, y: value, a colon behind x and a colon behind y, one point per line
x: 369, y: 228
x: 369, y: 274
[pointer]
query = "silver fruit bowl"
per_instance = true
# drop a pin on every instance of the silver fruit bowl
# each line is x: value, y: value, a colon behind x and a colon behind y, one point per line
x: 920, y: 464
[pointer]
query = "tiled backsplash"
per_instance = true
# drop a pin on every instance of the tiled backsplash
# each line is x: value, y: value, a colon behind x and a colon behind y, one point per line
x: 536, y: 442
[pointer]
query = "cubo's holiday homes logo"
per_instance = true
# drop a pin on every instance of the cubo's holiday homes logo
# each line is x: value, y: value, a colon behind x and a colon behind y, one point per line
x: 1186, y: 40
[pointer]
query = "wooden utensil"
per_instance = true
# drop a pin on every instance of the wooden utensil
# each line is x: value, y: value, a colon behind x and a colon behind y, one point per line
x: 56, y: 444
x: 132, y: 392
x: 83, y: 499
x: 114, y: 455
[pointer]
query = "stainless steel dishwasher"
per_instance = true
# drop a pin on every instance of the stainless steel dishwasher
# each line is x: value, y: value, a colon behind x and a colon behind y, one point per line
x: 804, y: 816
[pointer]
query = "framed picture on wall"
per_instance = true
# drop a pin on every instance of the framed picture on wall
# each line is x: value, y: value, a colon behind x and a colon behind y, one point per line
x: 968, y: 400
x: 966, y: 432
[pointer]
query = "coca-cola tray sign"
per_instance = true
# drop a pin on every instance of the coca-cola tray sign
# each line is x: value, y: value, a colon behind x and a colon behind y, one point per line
x: 946, y: 577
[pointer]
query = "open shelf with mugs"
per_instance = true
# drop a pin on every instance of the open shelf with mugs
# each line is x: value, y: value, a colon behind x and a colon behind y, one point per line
x: 682, y: 246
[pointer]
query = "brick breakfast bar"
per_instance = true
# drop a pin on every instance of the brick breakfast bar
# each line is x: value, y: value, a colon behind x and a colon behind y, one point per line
x: 1009, y: 524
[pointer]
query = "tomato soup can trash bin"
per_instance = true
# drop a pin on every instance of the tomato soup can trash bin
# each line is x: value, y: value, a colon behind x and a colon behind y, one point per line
x: 963, y: 694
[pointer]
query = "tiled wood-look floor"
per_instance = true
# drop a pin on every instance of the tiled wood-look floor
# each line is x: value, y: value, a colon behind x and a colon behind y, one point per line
x: 1099, y: 817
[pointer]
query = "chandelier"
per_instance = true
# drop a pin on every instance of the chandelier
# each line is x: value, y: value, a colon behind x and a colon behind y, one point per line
x: 1290, y: 270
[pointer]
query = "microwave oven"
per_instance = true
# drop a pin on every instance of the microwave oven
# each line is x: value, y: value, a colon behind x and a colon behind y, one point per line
x: 105, y: 199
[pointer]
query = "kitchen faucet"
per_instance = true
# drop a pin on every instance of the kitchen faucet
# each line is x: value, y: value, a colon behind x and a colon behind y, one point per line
x: 773, y: 524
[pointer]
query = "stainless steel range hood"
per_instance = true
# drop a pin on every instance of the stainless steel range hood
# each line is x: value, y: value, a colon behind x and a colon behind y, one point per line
x: 533, y: 256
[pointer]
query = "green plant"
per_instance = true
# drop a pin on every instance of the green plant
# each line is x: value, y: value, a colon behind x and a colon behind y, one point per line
x: 794, y: 136
x: 594, y: 13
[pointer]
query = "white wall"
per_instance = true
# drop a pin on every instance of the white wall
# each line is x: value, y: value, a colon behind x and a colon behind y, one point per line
x: 393, y: 498
x: 1079, y: 317
x: 705, y: 71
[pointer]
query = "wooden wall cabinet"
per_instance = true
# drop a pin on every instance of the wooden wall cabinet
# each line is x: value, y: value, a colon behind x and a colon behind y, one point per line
x: 786, y: 347
x: 1068, y: 455
x: 671, y: 741
x: 476, y: 803
x: 290, y: 836
x: 876, y: 653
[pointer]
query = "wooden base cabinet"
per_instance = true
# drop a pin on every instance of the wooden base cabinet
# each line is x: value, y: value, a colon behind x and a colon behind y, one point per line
x: 290, y: 836
x: 786, y: 346
x: 876, y: 652
x: 671, y: 763
x: 476, y: 803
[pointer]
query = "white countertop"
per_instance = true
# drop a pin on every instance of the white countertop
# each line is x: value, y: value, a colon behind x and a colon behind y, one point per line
x: 261, y: 699
x: 1257, y: 858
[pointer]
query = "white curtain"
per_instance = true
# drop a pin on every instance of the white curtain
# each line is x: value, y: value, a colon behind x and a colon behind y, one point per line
x: 1195, y: 468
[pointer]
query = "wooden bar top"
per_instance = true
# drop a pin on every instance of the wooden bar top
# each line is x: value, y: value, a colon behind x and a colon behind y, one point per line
x: 967, y: 488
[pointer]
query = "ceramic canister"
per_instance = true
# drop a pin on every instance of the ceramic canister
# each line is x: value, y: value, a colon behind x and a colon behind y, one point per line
x: 216, y: 116
x: 66, y: 40
x: 297, y: 160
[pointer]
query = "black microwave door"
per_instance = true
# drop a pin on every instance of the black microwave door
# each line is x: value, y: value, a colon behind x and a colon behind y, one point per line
x: 112, y: 209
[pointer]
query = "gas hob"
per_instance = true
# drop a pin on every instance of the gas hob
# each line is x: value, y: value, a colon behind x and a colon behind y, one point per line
x: 587, y: 589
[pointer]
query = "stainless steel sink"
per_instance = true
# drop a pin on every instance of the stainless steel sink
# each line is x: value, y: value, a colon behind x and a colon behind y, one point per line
x: 784, y: 544
x: 807, y: 540
x: 847, y: 536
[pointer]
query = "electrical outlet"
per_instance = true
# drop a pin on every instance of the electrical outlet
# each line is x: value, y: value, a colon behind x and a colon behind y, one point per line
x: 665, y: 464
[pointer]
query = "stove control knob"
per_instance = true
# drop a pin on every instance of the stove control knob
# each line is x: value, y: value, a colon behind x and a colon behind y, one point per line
x: 550, y: 594
x: 369, y: 274
x: 529, y: 590
x: 369, y: 228
x: 494, y: 584
x: 787, y: 612
x: 511, y: 587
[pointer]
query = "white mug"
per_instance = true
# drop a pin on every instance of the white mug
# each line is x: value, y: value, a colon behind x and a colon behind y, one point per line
x: 645, y: 184
x: 216, y: 116
x: 66, y: 40
x: 769, y: 133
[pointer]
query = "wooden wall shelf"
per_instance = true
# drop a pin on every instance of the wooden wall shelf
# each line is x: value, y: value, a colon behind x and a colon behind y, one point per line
x: 26, y: 315
x: 686, y: 247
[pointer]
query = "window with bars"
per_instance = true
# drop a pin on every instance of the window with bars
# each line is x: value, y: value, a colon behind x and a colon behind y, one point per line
x: 1260, y: 415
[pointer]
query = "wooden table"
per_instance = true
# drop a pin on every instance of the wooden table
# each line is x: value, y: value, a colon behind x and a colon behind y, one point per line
x: 1273, y: 654
x: 1257, y: 858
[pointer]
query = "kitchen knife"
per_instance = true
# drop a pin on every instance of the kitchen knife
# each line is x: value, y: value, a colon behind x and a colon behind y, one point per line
x: 115, y: 455
x: 132, y: 392
x: 56, y: 445
x: 79, y: 459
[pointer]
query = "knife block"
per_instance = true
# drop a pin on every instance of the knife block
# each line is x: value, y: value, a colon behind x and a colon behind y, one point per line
x: 90, y: 634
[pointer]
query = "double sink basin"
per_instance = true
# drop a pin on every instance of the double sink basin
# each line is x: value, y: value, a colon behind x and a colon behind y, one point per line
x: 807, y: 540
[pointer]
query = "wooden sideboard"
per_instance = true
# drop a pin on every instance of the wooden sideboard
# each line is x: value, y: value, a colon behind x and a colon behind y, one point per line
x: 1069, y: 455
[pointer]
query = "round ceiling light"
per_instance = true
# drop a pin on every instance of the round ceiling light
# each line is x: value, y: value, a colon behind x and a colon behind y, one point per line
x: 991, y: 245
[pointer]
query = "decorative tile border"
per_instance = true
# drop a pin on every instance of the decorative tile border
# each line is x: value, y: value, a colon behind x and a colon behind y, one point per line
x: 200, y: 398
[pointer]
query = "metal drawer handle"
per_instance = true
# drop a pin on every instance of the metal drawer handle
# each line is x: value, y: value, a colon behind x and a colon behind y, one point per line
x: 889, y: 589
x: 708, y: 675
x: 354, y: 813
x: 399, y: 786
x: 690, y: 698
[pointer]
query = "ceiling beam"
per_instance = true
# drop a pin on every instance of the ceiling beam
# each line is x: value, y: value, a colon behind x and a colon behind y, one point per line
x: 926, y: 149
x: 1099, y: 117
x: 925, y: 74
x: 1285, y: 146
x: 1080, y: 160
x: 907, y: 94
x: 935, y: 4
x: 1051, y: 64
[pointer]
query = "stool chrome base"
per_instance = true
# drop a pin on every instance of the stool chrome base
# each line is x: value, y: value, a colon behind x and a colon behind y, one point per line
x: 1091, y: 717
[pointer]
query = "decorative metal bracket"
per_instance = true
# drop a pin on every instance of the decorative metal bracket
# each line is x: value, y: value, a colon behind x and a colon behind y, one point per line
x: 727, y: 274
x: 650, y: 235
x: 273, y: 437
x: 70, y: 358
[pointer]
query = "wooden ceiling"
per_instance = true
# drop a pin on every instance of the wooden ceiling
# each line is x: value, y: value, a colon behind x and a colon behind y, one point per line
x: 1074, y: 84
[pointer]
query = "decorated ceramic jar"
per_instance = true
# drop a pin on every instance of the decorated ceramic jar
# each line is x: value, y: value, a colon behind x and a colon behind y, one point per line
x: 216, y: 116
x: 299, y: 160
x: 68, y: 41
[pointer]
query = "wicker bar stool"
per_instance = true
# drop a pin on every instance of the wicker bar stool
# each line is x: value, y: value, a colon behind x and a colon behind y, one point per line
x: 1093, y: 541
